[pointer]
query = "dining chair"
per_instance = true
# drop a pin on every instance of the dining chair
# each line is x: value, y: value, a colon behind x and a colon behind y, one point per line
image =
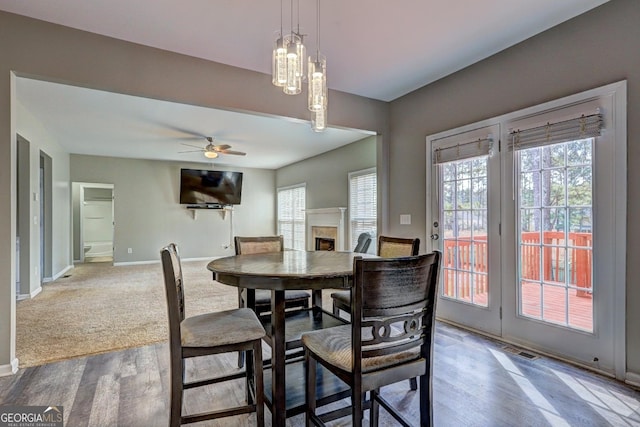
x: 207, y: 334
x: 390, y: 338
x: 388, y: 247
x: 363, y: 243
x: 262, y: 305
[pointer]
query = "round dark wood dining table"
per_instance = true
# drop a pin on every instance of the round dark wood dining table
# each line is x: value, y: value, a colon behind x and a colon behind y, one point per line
x: 277, y: 272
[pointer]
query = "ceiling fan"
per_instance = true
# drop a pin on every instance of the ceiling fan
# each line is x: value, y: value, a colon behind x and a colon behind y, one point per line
x: 211, y: 151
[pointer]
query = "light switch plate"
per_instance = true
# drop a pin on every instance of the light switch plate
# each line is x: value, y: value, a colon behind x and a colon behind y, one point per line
x: 405, y: 219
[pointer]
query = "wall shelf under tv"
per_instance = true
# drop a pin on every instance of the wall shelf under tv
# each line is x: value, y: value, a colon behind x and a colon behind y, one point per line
x: 223, y: 209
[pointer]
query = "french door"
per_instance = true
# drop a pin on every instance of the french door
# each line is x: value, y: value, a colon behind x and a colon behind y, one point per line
x: 526, y: 213
x: 465, y: 227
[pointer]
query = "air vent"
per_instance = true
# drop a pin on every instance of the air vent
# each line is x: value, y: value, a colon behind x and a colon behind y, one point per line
x: 519, y: 352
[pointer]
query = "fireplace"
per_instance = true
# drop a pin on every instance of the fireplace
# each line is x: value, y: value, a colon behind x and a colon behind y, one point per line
x: 325, y: 244
x: 325, y: 225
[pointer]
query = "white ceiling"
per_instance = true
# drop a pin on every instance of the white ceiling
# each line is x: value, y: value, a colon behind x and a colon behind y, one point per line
x: 87, y: 121
x: 375, y: 48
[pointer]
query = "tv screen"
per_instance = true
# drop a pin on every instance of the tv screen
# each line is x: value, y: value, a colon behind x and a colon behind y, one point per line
x: 205, y: 187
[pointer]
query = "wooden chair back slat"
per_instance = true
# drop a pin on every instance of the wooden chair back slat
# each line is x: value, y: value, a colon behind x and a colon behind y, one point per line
x: 258, y: 245
x: 394, y: 305
x: 393, y: 247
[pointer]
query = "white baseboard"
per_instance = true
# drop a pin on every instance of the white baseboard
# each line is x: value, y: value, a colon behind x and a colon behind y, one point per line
x: 210, y: 258
x: 62, y: 273
x: 10, y: 369
x: 35, y: 292
x: 632, y: 379
x: 57, y: 275
x: 119, y: 264
x: 30, y: 295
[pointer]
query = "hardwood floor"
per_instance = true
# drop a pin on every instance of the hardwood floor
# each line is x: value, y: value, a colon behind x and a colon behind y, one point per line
x: 477, y: 382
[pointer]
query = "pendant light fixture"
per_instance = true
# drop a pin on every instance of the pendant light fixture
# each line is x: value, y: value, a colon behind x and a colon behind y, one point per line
x: 317, y: 81
x: 319, y: 120
x: 279, y: 58
x: 295, y: 54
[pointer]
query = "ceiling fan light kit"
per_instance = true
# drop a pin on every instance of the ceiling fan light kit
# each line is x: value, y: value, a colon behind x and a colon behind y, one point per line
x: 212, y: 151
x: 210, y: 154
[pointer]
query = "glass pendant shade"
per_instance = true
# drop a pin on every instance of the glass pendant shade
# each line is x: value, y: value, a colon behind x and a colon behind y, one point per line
x: 294, y: 63
x: 317, y: 80
x: 319, y: 120
x: 210, y: 154
x: 279, y: 62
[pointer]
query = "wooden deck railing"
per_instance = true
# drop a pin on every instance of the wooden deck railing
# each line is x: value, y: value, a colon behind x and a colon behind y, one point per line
x: 471, y: 256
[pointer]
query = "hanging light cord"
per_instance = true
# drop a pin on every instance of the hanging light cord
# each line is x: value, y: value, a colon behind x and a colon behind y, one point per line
x: 281, y: 35
x: 291, y: 15
x: 298, y: 5
x: 318, y: 30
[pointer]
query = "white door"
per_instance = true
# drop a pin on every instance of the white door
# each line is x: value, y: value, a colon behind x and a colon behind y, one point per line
x: 465, y: 226
x: 559, y: 221
x: 538, y: 260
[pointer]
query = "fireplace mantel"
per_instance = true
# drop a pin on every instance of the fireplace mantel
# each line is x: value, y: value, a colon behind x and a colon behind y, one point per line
x: 325, y: 217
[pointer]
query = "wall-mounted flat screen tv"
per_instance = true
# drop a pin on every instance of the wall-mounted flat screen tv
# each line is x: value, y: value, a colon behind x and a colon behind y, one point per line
x: 205, y: 187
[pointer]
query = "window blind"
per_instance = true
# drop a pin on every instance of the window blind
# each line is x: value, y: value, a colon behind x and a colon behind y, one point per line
x: 463, y: 151
x: 363, y: 205
x: 553, y: 133
x: 291, y: 217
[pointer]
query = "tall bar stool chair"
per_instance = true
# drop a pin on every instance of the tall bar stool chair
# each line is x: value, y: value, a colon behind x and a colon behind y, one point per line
x: 390, y: 338
x: 262, y: 301
x: 207, y: 334
x: 388, y: 247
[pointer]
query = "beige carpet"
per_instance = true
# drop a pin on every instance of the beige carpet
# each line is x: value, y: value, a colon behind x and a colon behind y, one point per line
x: 98, y: 308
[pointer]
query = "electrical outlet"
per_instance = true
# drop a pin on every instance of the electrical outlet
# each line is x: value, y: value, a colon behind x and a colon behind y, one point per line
x: 129, y: 250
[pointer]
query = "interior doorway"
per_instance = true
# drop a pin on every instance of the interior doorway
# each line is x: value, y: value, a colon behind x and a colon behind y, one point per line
x: 96, y: 222
x: 46, y: 217
x: 23, y: 223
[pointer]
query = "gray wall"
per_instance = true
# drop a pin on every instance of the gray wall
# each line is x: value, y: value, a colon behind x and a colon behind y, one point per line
x: 148, y: 214
x: 41, y: 141
x: 594, y: 49
x: 327, y: 175
x: 37, y: 49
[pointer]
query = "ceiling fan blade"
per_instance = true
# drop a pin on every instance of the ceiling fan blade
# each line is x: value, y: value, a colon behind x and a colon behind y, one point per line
x: 235, y: 153
x: 221, y: 147
x: 189, y: 145
x: 191, y: 151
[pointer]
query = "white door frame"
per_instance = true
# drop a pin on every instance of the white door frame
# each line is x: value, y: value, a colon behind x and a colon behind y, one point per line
x: 84, y: 185
x: 617, y: 125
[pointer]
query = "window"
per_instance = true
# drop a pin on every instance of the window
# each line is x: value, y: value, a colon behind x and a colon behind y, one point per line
x: 363, y: 205
x: 291, y: 224
x: 464, y: 215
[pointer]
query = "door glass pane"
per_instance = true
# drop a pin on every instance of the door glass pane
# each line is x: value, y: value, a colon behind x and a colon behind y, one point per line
x: 555, y: 243
x: 463, y: 210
